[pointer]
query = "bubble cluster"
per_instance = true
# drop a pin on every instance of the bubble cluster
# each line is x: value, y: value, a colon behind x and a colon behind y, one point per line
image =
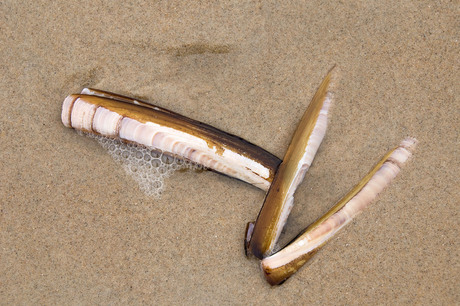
x: 147, y: 166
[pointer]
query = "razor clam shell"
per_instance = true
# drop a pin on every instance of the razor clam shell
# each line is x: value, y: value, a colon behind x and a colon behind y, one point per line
x: 298, y: 158
x: 286, y: 262
x: 172, y: 133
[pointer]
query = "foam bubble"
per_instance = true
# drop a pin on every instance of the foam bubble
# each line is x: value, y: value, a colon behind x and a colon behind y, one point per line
x: 147, y: 166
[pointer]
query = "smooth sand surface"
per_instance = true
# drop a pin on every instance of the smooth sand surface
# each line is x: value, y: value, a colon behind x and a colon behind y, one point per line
x: 75, y: 229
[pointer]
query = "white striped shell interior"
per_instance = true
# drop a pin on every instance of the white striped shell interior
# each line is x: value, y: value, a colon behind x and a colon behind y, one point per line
x: 88, y: 117
x: 324, y: 231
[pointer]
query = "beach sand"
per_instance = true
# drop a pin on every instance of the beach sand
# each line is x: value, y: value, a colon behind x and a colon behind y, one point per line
x: 76, y: 229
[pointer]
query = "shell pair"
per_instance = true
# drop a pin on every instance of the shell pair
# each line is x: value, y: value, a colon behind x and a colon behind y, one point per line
x: 134, y: 121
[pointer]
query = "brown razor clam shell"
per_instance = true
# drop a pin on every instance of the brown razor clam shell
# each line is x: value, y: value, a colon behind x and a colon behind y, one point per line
x: 280, y: 266
x: 112, y: 115
x: 298, y: 158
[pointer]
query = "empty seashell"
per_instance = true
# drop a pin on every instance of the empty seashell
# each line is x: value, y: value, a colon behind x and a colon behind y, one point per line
x: 138, y: 122
x: 286, y: 262
x: 298, y: 158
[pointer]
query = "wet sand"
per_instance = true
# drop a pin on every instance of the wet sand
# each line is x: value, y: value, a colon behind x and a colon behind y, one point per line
x: 76, y: 229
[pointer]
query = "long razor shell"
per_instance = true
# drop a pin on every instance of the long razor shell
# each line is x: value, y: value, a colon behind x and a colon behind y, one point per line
x: 286, y: 262
x: 298, y: 158
x: 158, y: 128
